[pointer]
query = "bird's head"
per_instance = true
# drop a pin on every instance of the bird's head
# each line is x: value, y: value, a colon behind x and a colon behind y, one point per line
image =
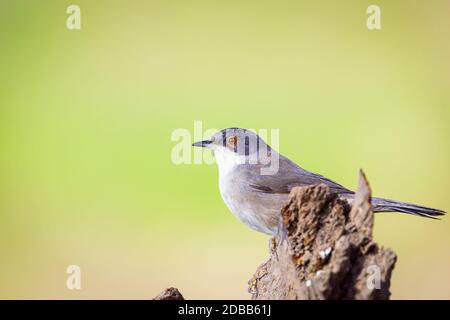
x: 236, y: 145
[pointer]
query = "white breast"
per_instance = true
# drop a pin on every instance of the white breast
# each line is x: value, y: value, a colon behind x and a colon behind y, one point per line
x: 258, y: 211
x: 226, y: 160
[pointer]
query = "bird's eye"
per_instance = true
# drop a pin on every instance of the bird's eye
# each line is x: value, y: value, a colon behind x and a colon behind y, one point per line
x: 232, y: 141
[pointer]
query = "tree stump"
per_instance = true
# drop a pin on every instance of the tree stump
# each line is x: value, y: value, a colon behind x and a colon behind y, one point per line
x: 325, y: 250
x: 169, y: 294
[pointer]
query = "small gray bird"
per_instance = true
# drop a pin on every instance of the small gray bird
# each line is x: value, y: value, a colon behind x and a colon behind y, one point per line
x: 255, y: 181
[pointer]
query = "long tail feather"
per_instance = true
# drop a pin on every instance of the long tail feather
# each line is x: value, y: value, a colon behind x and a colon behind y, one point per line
x: 385, y: 205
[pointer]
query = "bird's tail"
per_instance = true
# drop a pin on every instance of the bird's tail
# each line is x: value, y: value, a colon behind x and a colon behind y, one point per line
x: 385, y: 205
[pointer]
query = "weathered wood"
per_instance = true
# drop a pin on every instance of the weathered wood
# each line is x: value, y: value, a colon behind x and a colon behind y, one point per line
x: 326, y: 250
x: 169, y: 294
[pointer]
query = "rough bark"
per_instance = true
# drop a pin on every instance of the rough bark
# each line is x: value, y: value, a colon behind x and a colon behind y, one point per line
x: 326, y: 250
x: 169, y: 294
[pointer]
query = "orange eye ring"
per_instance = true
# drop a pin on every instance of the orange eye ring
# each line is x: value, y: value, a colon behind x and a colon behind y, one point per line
x: 232, y: 141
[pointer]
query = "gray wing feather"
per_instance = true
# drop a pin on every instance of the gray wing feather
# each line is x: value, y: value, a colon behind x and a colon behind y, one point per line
x: 288, y: 176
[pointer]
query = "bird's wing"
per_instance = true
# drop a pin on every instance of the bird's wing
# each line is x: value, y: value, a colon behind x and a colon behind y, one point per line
x: 289, y: 176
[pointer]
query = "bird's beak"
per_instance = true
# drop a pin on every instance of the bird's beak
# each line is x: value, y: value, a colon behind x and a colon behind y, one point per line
x: 203, y: 143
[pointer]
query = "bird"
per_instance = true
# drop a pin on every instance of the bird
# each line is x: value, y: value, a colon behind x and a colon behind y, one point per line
x: 255, y: 181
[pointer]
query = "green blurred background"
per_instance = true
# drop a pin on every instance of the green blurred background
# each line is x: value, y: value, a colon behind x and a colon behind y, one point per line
x: 86, y: 116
